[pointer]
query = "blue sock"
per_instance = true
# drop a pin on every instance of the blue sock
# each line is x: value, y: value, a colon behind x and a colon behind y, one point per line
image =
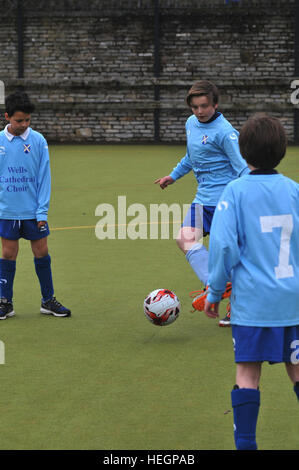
x: 44, y: 274
x: 198, y: 258
x: 245, y: 402
x: 296, y: 389
x: 7, y: 275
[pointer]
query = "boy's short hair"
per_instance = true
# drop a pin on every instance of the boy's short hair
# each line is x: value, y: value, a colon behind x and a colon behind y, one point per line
x: 18, y: 101
x: 203, y: 88
x: 263, y: 141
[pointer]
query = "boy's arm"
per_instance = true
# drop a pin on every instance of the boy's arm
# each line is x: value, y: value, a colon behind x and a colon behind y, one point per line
x: 183, y: 167
x: 224, y: 252
x: 44, y: 184
x: 231, y: 148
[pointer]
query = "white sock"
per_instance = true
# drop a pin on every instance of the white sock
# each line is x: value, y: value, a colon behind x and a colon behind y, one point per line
x: 198, y: 258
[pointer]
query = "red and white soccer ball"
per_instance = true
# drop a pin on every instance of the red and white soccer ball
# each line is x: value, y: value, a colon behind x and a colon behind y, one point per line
x: 162, y: 307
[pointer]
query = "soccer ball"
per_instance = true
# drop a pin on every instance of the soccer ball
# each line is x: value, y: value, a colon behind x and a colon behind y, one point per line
x: 161, y: 307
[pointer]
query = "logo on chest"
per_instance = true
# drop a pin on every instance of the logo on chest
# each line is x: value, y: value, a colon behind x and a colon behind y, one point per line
x: 204, y: 139
x: 27, y: 148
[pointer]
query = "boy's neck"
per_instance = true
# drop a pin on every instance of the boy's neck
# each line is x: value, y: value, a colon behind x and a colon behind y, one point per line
x: 255, y: 170
x: 252, y: 168
x: 10, y: 130
x: 10, y: 134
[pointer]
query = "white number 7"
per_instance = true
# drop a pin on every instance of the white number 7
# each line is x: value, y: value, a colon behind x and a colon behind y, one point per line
x: 285, y: 222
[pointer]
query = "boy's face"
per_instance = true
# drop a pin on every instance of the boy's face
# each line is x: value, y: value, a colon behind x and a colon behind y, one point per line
x: 18, y: 122
x: 202, y: 108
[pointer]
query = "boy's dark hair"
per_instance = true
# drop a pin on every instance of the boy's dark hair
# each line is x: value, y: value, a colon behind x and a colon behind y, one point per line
x: 18, y: 101
x: 203, y: 88
x: 263, y: 141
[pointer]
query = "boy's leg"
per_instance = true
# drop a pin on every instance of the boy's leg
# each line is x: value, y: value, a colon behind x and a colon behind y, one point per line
x: 291, y: 355
x: 190, y: 239
x: 196, y: 253
x: 195, y: 226
x: 10, y: 250
x: 248, y: 374
x: 42, y: 262
x: 246, y: 401
x: 293, y: 373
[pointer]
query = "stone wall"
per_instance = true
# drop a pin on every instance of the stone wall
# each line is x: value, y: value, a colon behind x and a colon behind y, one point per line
x: 93, y: 72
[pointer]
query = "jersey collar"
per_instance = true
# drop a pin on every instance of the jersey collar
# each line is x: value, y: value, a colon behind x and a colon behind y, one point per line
x: 215, y: 116
x: 259, y: 171
x: 10, y: 136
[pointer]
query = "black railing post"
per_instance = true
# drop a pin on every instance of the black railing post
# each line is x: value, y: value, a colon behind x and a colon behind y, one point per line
x: 296, y: 67
x: 20, y: 39
x: 157, y: 70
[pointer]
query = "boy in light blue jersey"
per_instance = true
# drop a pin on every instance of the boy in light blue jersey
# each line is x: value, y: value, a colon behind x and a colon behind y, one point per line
x: 25, y: 186
x: 254, y: 242
x: 214, y: 157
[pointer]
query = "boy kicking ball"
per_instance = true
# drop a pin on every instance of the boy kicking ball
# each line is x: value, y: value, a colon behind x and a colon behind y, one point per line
x: 25, y: 186
x: 213, y: 155
x: 255, y: 237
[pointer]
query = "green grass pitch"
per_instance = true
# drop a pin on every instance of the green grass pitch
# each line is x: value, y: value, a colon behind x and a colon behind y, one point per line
x: 106, y: 378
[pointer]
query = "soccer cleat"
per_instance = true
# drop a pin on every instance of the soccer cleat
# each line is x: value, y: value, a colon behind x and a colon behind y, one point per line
x: 200, y: 296
x: 226, y: 320
x: 53, y: 307
x: 6, y: 309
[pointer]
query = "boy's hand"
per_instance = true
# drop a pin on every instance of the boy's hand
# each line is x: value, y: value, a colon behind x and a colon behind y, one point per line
x: 211, y: 310
x: 164, y: 182
x: 41, y: 223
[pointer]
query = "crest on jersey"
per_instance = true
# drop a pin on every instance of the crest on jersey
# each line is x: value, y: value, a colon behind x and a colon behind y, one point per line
x: 27, y: 148
x: 204, y: 139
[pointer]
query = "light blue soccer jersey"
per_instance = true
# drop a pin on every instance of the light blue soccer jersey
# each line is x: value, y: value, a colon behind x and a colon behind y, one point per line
x: 25, y: 181
x: 255, y: 238
x: 214, y: 156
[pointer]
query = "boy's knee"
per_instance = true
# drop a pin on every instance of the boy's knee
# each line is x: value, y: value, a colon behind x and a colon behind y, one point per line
x: 185, y: 239
x: 10, y: 249
x: 40, y: 248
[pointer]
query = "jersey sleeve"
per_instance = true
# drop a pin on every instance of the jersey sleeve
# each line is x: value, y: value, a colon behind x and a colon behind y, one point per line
x: 224, y: 251
x: 230, y: 145
x: 44, y: 183
x: 183, y: 167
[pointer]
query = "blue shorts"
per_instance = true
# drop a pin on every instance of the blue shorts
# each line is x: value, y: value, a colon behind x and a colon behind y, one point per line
x: 199, y: 216
x: 258, y: 344
x: 28, y: 229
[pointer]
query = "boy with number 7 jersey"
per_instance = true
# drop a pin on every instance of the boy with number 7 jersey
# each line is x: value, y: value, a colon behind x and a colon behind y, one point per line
x: 254, y: 242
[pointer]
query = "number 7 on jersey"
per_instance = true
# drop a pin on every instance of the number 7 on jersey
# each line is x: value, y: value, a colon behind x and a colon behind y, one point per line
x: 285, y: 222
